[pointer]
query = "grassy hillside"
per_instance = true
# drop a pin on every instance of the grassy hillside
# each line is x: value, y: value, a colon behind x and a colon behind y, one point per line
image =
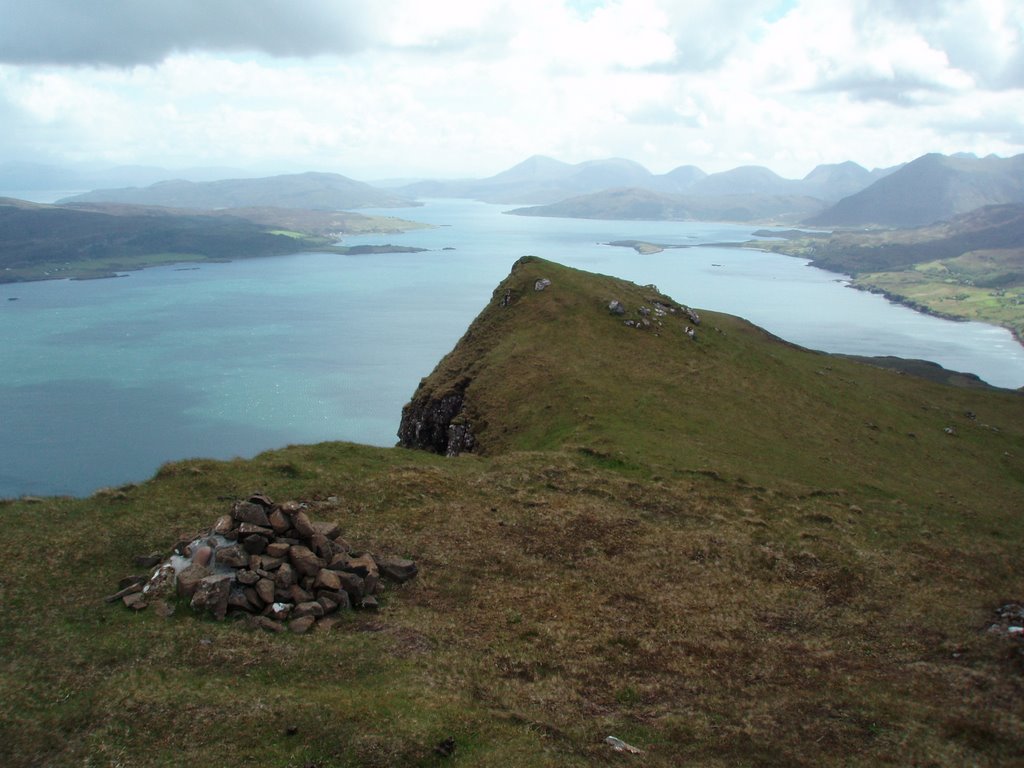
x: 726, y: 551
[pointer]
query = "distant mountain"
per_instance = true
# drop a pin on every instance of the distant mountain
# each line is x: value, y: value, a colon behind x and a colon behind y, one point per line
x: 838, y: 180
x: 643, y: 204
x: 313, y: 191
x: 541, y: 180
x: 745, y: 180
x: 679, y: 179
x: 932, y: 188
x: 535, y: 169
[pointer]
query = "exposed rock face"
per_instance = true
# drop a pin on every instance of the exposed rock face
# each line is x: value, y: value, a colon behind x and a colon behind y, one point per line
x: 301, y: 575
x: 437, y: 425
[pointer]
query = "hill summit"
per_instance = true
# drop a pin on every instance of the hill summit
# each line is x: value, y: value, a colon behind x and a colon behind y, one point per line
x: 547, y: 365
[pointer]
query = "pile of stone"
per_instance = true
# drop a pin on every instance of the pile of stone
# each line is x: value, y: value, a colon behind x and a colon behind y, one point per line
x: 650, y: 316
x: 270, y: 563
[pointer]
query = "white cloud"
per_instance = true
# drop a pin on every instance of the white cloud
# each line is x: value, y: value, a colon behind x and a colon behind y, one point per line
x: 469, y: 88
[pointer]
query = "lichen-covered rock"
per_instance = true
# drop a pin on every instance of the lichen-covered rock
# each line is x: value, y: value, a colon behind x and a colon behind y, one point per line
x: 211, y: 595
x: 188, y: 579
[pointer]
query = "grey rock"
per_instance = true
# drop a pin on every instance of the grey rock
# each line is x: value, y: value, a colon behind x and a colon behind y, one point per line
x: 397, y: 569
x: 284, y: 577
x: 308, y: 608
x: 302, y: 625
x: 304, y: 560
x: 326, y: 528
x: 212, y: 593
x: 188, y: 579
x: 265, y: 590
x: 302, y: 524
x: 233, y: 556
x: 135, y: 601
x: 369, y: 603
x: 248, y: 512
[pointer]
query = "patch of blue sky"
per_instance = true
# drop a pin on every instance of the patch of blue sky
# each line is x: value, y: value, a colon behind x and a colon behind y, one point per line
x: 779, y: 10
x: 585, y: 8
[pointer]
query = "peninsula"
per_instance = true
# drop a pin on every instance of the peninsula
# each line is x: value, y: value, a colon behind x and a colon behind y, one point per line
x: 91, y: 240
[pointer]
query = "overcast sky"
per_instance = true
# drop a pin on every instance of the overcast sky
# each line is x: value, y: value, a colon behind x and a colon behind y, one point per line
x: 403, y: 88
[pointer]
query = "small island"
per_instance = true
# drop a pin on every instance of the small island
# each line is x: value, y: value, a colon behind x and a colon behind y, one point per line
x: 643, y: 247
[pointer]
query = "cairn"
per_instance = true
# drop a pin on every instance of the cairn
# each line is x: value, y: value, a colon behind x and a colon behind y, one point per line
x: 270, y: 563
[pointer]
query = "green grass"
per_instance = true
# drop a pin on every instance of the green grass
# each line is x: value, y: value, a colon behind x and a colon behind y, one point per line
x: 727, y: 552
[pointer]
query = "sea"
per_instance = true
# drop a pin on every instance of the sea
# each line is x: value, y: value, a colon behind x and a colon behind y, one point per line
x: 102, y: 381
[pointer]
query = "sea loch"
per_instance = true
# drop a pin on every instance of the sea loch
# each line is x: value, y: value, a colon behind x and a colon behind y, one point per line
x: 102, y: 381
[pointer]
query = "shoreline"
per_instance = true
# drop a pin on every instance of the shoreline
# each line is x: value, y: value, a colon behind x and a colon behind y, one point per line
x: 84, y: 275
x: 895, y: 298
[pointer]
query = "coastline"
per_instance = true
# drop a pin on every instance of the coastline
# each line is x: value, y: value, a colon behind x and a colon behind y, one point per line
x: 895, y: 298
x: 118, y: 270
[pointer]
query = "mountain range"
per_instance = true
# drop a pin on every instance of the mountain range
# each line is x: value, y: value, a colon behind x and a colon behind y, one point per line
x: 540, y: 179
x: 931, y: 188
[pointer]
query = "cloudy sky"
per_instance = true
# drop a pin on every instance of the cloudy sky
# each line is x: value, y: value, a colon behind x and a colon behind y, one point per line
x: 403, y: 88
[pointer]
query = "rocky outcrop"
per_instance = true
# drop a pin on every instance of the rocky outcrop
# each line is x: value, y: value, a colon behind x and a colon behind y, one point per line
x: 271, y: 563
x: 437, y: 424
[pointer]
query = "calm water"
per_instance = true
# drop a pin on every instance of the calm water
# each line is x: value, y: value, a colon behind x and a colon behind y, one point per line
x: 102, y: 381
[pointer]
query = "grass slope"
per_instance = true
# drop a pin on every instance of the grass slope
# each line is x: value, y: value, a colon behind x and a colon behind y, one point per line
x: 728, y: 552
